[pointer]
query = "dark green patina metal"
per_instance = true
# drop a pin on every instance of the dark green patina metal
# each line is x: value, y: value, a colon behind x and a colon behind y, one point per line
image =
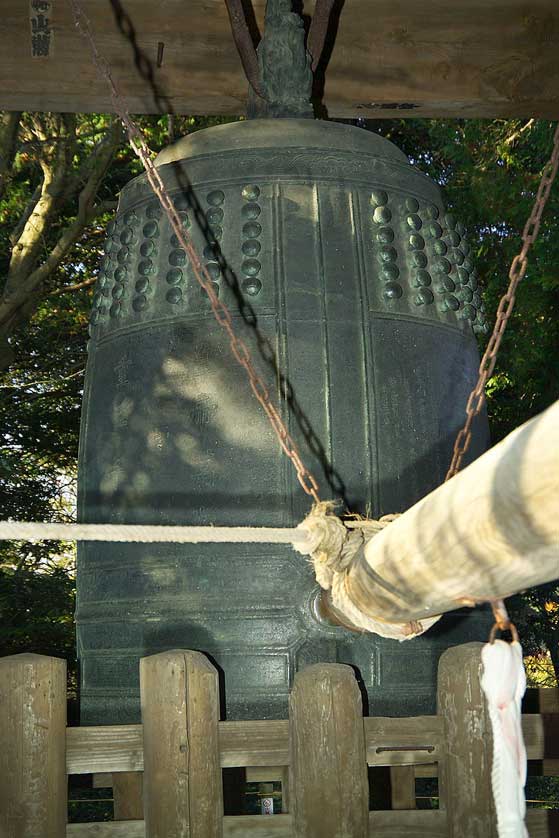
x: 357, y: 294
x: 285, y: 76
x: 331, y: 249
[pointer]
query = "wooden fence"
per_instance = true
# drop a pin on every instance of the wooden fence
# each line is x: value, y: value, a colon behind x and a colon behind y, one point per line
x: 181, y: 748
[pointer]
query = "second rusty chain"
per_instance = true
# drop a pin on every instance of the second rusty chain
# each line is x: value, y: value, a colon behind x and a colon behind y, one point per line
x: 517, y: 270
x: 222, y: 314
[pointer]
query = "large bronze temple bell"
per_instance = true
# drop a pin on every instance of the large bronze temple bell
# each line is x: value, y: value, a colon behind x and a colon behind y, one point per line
x: 358, y: 296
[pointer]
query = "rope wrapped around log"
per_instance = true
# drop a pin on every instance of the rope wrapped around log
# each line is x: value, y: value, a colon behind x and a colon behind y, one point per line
x: 332, y: 547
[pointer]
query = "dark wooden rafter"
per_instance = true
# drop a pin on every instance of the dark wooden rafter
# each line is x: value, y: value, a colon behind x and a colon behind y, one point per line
x: 472, y: 58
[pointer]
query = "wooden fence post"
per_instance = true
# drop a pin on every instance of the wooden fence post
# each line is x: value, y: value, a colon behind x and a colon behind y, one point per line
x: 329, y: 784
x: 183, y: 793
x: 465, y: 773
x: 33, y: 782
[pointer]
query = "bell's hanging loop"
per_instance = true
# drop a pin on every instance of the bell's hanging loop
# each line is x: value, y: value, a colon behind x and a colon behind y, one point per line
x: 284, y: 66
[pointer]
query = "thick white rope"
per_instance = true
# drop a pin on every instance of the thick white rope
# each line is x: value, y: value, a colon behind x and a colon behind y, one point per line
x: 146, y: 533
x: 30, y: 531
x: 331, y: 544
x: 504, y: 683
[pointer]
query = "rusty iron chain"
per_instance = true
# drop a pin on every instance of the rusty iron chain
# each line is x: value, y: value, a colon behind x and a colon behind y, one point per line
x: 517, y: 270
x: 222, y: 314
x: 318, y: 30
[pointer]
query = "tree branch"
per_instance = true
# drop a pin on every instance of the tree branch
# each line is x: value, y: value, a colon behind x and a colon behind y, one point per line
x: 28, y: 385
x: 23, y: 286
x: 513, y: 137
x: 110, y: 141
x: 31, y: 204
x: 87, y: 210
x: 55, y: 164
x: 66, y: 288
x: 35, y: 143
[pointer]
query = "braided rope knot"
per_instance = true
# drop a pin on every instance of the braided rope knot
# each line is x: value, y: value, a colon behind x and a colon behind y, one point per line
x: 332, y: 547
x: 330, y: 544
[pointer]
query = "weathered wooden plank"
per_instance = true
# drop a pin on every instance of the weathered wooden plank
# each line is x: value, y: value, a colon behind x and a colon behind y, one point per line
x: 465, y: 773
x: 255, y: 826
x: 542, y: 823
x: 541, y: 731
x: 386, y: 736
x: 104, y: 749
x: 258, y: 826
x: 259, y: 774
x: 109, y: 829
x: 33, y: 783
x: 265, y: 746
x: 549, y: 700
x: 402, y: 787
x: 102, y: 781
x: 533, y: 732
x: 329, y: 784
x: 183, y: 791
x: 119, y: 748
x: 430, y: 770
x: 128, y: 795
x: 541, y: 700
x: 542, y: 743
x: 468, y: 58
x: 285, y: 789
x: 254, y: 743
x: 417, y: 824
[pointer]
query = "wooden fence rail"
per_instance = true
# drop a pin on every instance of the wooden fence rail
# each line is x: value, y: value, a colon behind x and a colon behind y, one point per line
x: 181, y: 747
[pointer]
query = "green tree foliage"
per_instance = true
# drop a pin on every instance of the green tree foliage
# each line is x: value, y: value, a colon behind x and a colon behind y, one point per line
x: 489, y: 171
x: 44, y: 356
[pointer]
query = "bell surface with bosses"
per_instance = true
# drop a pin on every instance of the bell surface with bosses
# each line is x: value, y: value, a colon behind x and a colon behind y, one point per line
x: 357, y: 295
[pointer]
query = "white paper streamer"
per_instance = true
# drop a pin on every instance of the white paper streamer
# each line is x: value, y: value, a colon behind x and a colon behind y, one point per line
x: 504, y: 684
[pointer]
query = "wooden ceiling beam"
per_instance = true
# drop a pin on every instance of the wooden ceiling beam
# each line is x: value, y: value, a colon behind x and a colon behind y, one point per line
x: 469, y: 58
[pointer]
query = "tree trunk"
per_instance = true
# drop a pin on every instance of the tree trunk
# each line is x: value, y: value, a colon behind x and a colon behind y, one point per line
x: 61, y: 184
